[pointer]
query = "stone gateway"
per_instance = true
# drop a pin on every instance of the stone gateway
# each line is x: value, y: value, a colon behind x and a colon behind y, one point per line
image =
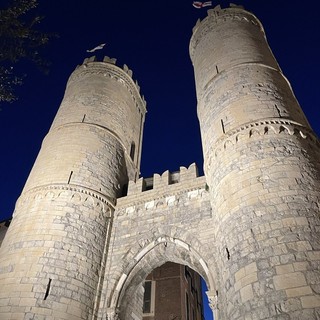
x: 86, y: 230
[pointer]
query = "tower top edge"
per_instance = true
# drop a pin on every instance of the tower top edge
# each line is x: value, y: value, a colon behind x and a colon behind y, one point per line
x: 221, y: 15
x: 219, y: 11
x: 109, y: 63
x: 107, y: 60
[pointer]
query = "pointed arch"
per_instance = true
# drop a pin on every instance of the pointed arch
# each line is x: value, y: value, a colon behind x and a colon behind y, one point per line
x: 162, y: 249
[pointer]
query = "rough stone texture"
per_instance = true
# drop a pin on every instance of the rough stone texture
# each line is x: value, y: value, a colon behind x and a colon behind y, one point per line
x: 76, y: 249
x: 155, y: 226
x: 53, y: 255
x: 262, y: 167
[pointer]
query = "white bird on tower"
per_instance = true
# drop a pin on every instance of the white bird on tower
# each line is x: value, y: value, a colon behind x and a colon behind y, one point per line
x: 99, y: 47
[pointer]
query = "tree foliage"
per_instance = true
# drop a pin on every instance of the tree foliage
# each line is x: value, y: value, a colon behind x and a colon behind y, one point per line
x: 19, y: 39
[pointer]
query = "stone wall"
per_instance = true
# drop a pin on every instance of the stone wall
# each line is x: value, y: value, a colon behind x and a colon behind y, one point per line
x: 166, y: 223
x: 262, y: 169
x: 79, y: 248
x: 52, y: 258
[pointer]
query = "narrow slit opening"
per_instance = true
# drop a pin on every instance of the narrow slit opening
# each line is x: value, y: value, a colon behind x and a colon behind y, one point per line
x: 48, y: 290
x: 71, y: 173
x: 222, y: 125
x: 228, y: 254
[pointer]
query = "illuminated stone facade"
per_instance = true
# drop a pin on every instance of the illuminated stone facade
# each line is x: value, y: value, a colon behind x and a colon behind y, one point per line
x: 87, y: 230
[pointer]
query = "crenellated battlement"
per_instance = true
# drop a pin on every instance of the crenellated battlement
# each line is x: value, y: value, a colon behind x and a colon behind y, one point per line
x: 217, y: 16
x: 217, y: 11
x: 113, y: 72
x: 180, y: 179
x: 112, y: 61
x: 163, y: 190
x: 109, y: 60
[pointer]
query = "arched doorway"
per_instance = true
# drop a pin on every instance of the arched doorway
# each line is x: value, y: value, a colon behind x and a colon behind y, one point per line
x: 174, y: 291
x: 127, y: 300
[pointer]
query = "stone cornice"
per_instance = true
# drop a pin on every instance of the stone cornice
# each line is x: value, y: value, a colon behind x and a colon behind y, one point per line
x: 78, y: 194
x: 153, y: 199
x: 274, y: 126
x: 102, y: 128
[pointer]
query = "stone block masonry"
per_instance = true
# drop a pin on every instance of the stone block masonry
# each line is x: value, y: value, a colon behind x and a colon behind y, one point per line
x: 87, y: 230
x: 53, y: 254
x: 262, y: 169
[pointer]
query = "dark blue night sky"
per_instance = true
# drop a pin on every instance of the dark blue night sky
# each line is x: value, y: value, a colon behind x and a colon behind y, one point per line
x: 152, y: 38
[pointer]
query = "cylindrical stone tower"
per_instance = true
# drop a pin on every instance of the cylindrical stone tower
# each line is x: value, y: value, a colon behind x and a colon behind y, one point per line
x: 53, y: 256
x: 263, y: 171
